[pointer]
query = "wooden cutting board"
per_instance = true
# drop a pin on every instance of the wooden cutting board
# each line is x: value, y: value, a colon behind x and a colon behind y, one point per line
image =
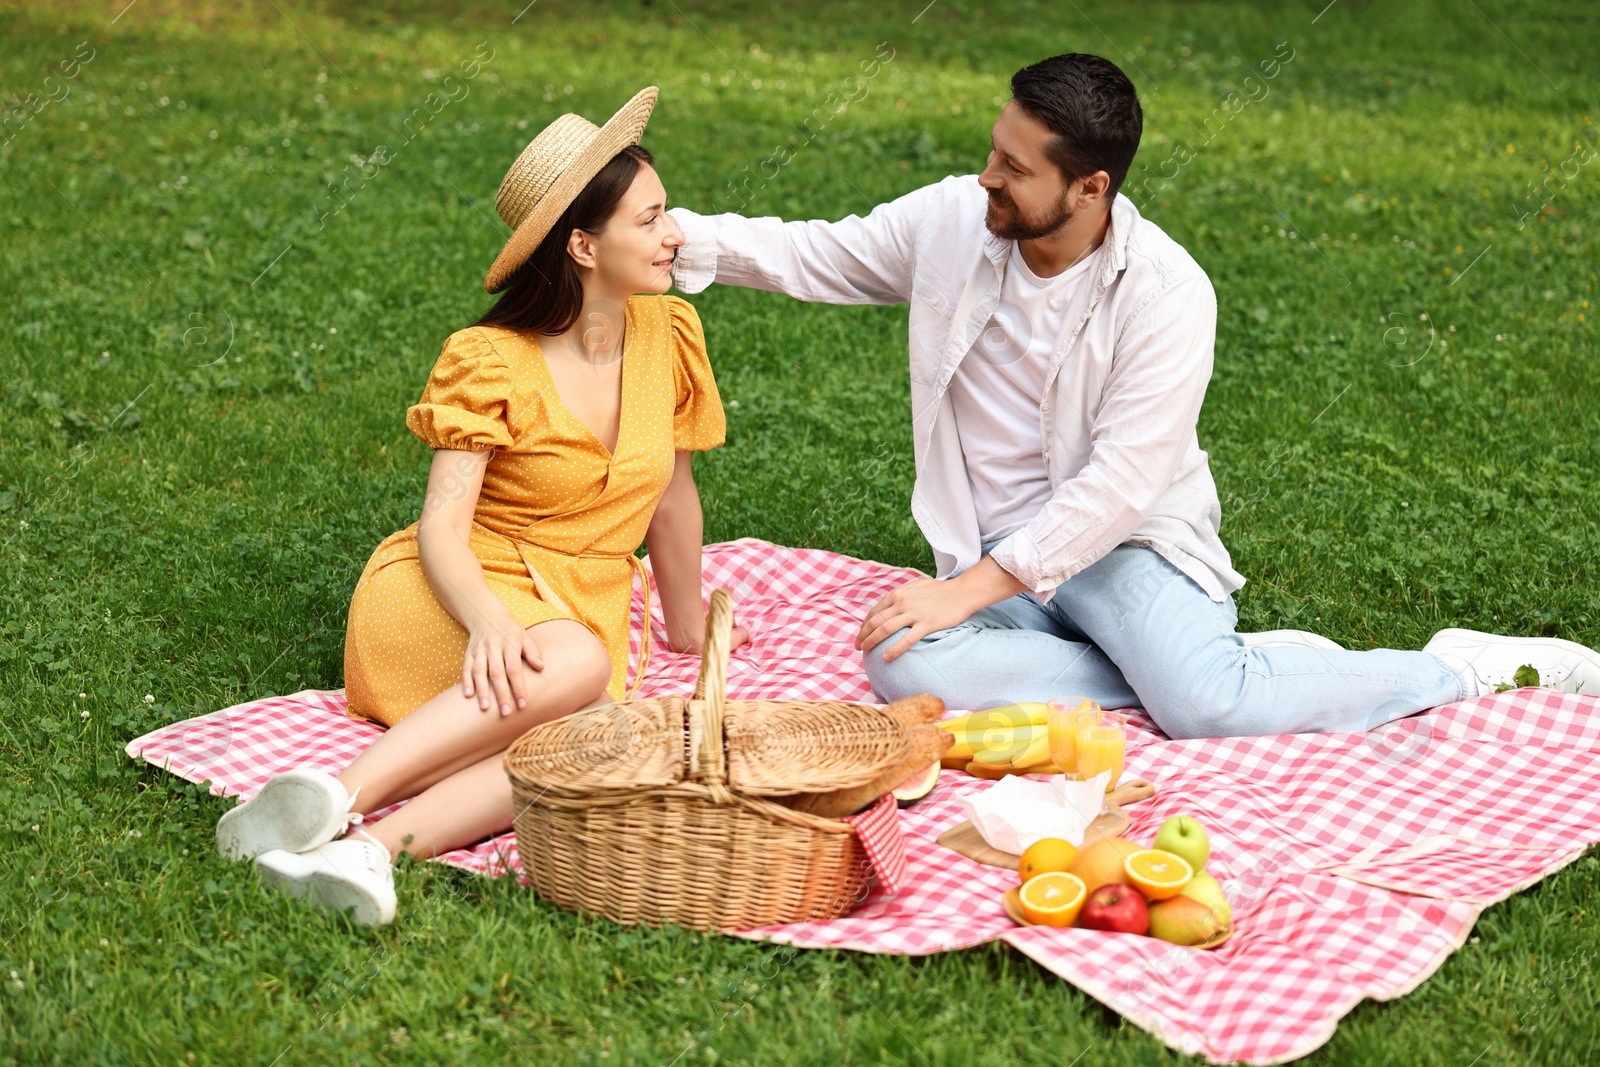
x: 964, y: 838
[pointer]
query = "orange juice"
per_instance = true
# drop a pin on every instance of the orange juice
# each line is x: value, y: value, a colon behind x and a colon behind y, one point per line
x: 1101, y: 746
x: 1066, y: 716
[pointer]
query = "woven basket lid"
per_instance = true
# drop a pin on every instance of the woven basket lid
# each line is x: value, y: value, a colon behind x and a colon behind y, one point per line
x: 774, y: 748
x: 636, y: 745
x: 768, y: 747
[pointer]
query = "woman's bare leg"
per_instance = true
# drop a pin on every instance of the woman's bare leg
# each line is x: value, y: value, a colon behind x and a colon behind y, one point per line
x: 462, y: 810
x: 450, y: 734
x: 441, y: 773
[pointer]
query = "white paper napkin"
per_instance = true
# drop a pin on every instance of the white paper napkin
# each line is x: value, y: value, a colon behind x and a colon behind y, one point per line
x: 1017, y: 811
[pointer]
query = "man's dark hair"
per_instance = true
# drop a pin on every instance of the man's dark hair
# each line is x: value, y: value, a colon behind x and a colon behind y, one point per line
x: 545, y: 294
x: 1092, y: 109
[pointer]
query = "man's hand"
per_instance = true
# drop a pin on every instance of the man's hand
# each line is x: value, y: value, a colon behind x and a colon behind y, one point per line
x: 930, y: 604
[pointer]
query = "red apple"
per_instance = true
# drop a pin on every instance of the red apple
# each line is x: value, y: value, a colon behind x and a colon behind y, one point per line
x: 1119, y: 908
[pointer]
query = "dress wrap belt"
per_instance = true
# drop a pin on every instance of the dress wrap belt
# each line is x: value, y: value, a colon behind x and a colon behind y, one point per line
x: 491, y: 545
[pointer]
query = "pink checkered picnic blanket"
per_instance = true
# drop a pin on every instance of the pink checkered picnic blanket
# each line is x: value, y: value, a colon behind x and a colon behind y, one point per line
x: 1356, y: 862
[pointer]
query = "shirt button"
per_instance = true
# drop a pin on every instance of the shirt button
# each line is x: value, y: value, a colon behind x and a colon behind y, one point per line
x: 1045, y: 406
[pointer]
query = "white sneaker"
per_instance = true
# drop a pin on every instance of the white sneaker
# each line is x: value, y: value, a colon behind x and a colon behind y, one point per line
x: 1290, y: 638
x: 1564, y: 665
x: 290, y: 872
x: 294, y: 811
x: 353, y: 872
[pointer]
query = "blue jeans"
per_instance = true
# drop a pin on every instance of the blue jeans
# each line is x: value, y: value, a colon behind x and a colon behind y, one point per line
x: 1134, y: 631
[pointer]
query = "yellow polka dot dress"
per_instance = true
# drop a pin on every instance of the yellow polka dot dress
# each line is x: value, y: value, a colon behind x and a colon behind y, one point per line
x: 558, y: 518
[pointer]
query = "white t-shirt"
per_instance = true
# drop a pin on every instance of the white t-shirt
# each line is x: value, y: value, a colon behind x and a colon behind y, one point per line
x: 997, y: 390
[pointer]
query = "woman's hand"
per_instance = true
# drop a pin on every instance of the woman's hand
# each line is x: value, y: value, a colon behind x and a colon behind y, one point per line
x: 492, y: 668
x: 695, y: 642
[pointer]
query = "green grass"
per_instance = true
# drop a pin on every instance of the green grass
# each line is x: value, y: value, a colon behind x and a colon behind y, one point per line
x: 194, y: 467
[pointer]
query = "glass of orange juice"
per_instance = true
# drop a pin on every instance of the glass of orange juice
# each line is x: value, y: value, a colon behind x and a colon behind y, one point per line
x: 1101, y: 743
x: 1062, y: 722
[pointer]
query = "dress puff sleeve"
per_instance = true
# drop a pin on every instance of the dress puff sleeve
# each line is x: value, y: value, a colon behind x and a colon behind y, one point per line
x: 466, y: 403
x: 697, y: 421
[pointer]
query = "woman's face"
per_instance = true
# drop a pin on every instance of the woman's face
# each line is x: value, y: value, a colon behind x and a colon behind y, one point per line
x: 635, y: 251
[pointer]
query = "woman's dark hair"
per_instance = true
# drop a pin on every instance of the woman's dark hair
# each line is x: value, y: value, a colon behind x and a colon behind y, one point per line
x: 1092, y: 109
x: 545, y: 294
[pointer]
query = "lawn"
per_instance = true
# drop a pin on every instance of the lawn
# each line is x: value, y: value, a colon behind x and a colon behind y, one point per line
x: 235, y: 237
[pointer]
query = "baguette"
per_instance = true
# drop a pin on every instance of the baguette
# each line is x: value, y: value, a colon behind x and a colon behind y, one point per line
x: 926, y: 745
x: 917, y: 710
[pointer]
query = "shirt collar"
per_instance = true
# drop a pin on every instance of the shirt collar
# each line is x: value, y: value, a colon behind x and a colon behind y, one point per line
x: 1124, y: 218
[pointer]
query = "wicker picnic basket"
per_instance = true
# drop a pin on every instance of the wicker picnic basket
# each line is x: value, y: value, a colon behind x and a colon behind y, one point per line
x: 656, y: 811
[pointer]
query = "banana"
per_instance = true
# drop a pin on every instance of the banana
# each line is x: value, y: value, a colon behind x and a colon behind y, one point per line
x: 990, y: 736
x: 996, y: 771
x: 1011, y: 740
x: 1038, y: 768
x: 1013, y: 715
x: 1038, y: 751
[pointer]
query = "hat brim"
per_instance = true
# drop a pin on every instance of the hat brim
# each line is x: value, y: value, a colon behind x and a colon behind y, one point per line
x: 624, y: 128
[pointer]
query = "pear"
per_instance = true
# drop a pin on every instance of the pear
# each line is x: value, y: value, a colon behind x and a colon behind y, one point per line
x: 1204, y: 888
x: 1184, y: 921
x: 1183, y: 836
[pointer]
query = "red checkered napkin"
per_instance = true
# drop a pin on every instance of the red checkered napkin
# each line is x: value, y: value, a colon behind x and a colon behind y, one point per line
x: 879, y: 830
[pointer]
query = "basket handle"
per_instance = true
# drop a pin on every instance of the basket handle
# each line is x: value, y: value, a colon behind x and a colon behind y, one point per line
x: 710, y: 696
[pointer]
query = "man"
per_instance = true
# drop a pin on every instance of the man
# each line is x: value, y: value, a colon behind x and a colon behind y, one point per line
x: 1060, y: 349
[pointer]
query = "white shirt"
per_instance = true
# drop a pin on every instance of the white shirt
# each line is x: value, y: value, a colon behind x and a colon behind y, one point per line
x: 996, y: 392
x: 1122, y: 393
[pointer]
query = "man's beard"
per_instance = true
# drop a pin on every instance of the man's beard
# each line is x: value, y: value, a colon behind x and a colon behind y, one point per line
x: 1015, y: 228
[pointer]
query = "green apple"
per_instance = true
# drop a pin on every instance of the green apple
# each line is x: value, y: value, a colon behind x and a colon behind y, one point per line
x: 1182, y: 836
x: 1204, y: 888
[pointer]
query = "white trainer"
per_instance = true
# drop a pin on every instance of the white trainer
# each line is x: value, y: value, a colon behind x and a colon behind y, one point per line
x: 295, y: 811
x: 289, y: 872
x: 1290, y: 639
x: 351, y: 873
x: 1495, y: 659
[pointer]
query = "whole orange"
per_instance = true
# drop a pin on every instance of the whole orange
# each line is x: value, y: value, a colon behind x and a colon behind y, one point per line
x: 1100, y: 862
x: 1045, y: 855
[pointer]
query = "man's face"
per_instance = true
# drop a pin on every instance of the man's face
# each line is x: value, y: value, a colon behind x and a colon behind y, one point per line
x: 1028, y: 198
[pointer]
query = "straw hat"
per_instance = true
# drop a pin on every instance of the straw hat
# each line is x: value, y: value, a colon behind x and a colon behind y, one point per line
x: 552, y: 171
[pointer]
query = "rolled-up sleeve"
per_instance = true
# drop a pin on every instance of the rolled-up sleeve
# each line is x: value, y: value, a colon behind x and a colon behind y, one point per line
x: 856, y: 260
x: 1142, y: 431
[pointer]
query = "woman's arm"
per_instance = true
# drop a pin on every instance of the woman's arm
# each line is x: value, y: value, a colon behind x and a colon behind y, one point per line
x: 496, y: 643
x: 674, y: 539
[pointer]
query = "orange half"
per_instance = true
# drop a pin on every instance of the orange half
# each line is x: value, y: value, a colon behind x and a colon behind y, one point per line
x: 1053, y: 898
x: 1160, y: 875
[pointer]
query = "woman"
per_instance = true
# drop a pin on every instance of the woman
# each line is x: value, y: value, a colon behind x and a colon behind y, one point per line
x: 562, y: 424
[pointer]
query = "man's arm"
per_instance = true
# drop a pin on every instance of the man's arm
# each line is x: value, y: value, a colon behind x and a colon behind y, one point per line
x: 853, y: 261
x: 1144, y: 427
